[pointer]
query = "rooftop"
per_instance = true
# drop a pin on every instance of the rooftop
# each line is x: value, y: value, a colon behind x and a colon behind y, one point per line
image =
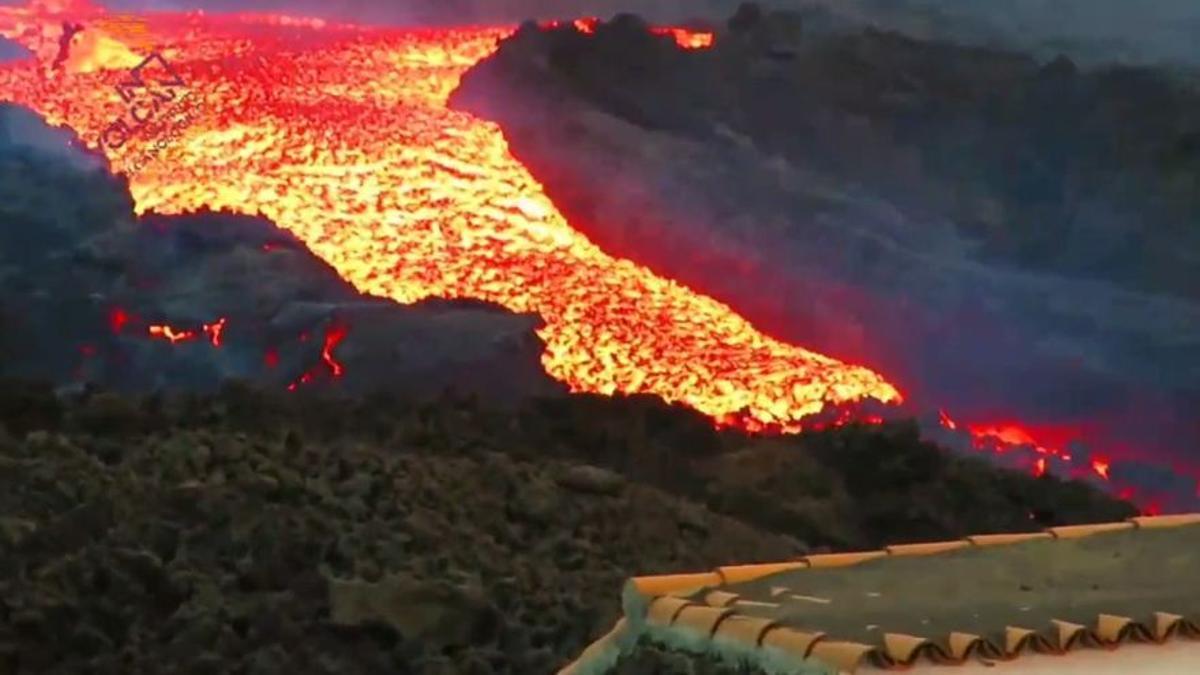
x: 1001, y: 601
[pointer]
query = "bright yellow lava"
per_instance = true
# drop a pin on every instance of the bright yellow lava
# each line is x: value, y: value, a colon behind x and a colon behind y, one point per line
x: 344, y: 138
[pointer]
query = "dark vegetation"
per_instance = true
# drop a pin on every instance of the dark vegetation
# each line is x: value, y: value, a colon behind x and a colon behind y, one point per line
x: 260, y: 533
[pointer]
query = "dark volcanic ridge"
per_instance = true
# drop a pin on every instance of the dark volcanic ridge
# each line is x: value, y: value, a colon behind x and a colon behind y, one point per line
x: 1007, y: 238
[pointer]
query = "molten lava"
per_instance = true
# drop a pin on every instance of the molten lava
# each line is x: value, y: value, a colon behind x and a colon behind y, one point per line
x: 172, y: 334
x: 687, y: 39
x: 176, y: 335
x: 354, y: 150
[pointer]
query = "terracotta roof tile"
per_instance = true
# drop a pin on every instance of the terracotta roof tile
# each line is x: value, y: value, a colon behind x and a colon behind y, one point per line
x: 998, y: 597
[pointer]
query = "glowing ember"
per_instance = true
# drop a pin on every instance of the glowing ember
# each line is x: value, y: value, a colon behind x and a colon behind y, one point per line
x: 1011, y: 434
x: 1004, y: 436
x: 172, y: 334
x: 688, y: 39
x: 334, y: 334
x: 117, y: 318
x: 213, y: 330
x: 1101, y: 466
x: 361, y: 158
x: 176, y: 335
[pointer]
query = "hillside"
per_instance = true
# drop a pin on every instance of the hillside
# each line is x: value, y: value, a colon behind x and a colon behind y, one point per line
x: 265, y: 532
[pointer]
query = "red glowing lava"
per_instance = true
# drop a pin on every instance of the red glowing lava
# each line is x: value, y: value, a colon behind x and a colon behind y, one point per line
x: 1045, y: 443
x: 1039, y: 467
x: 172, y: 334
x: 685, y: 38
x: 177, y: 335
x: 117, y: 319
x: 334, y: 334
x: 357, y: 153
x: 213, y: 331
x: 1012, y: 434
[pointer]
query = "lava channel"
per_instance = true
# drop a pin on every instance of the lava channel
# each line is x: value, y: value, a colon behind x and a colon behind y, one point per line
x: 342, y: 135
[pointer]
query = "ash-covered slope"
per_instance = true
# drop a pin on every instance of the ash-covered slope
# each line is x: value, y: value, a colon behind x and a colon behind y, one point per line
x: 89, y: 293
x: 1010, y: 239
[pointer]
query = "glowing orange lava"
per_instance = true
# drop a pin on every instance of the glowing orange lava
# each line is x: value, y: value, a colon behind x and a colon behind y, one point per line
x: 685, y: 38
x: 357, y: 153
x: 334, y: 334
x: 172, y: 334
x: 688, y: 39
x: 1010, y: 435
x: 332, y: 338
x: 176, y: 335
x: 214, y: 330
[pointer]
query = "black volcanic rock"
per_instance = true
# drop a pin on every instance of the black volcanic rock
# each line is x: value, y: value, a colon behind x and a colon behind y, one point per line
x: 747, y: 16
x: 82, y: 281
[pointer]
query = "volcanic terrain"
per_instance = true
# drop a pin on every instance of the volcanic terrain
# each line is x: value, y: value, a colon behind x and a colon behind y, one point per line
x: 330, y: 364
x: 1010, y: 241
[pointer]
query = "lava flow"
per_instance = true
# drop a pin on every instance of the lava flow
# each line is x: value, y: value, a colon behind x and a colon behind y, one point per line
x: 346, y: 140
